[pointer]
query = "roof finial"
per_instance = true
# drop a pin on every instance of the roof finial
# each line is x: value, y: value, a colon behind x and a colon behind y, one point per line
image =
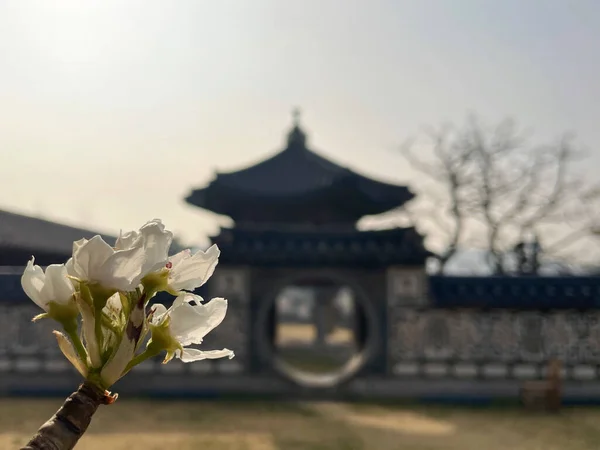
x: 296, y: 137
x: 296, y: 116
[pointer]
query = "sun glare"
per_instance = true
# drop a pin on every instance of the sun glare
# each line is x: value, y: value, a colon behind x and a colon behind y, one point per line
x: 71, y: 32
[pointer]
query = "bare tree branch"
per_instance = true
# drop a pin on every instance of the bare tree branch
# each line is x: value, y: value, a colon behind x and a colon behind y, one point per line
x: 449, y: 169
x: 511, y: 188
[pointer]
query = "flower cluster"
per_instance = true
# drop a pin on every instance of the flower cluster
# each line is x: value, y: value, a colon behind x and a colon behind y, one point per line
x: 100, y: 297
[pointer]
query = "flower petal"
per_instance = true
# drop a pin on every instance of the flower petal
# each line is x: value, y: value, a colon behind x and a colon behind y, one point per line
x: 158, y: 314
x: 123, y: 269
x: 67, y: 349
x: 187, y: 297
x: 189, y: 324
x: 70, y: 267
x: 113, y: 307
x: 156, y: 242
x: 89, y: 258
x: 57, y: 287
x: 125, y: 241
x: 177, y: 258
x: 72, y: 270
x: 113, y: 369
x: 192, y: 354
x: 32, y: 282
x: 78, y: 244
x: 189, y: 273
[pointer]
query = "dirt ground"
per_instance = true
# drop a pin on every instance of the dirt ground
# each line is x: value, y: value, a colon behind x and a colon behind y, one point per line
x: 149, y: 425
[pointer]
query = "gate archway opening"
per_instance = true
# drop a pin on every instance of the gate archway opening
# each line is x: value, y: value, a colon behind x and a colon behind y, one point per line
x: 318, y: 331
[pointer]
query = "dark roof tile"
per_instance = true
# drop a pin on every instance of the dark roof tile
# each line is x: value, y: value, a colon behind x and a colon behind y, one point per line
x: 25, y: 232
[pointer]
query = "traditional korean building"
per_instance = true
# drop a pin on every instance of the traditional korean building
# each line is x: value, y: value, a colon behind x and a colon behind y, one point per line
x: 299, y: 209
x: 295, y: 217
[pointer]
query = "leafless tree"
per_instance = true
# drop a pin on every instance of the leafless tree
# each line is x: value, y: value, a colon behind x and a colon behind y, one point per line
x: 494, y: 186
x: 451, y: 168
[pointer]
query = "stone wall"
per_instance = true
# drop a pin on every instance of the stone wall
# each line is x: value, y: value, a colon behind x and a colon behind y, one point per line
x: 422, y: 347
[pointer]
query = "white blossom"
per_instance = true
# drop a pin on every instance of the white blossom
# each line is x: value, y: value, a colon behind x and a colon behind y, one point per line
x: 184, y: 324
x: 53, y: 286
x: 156, y: 242
x: 121, y: 268
x: 188, y: 272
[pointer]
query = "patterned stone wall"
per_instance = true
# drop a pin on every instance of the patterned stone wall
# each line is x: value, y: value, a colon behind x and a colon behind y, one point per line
x: 27, y: 346
x: 474, y: 343
x: 494, y: 344
x: 406, y: 286
x: 422, y: 341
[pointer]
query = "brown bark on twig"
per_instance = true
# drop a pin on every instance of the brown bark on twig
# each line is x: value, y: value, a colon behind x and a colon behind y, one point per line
x: 65, y: 428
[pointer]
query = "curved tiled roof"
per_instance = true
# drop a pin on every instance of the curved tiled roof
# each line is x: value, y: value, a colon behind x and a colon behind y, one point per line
x: 295, y: 183
x: 290, y: 172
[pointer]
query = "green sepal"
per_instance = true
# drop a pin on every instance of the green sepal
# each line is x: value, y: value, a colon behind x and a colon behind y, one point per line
x: 70, y: 328
x: 126, y: 304
x: 99, y: 294
x: 63, y: 313
x: 151, y: 351
x: 40, y: 317
x: 155, y: 282
x: 162, y: 339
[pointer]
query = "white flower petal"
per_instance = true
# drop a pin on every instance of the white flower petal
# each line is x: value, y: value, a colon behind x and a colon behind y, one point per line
x: 114, y: 303
x: 113, y: 307
x: 89, y: 258
x: 187, y: 297
x: 32, y: 282
x: 125, y: 241
x: 189, y: 324
x: 123, y: 269
x: 113, y: 369
x: 191, y: 272
x: 67, y: 349
x: 70, y: 267
x: 72, y: 270
x: 156, y: 243
x: 158, y: 314
x: 192, y: 354
x: 136, y: 253
x: 177, y: 258
x: 78, y: 244
x: 57, y: 287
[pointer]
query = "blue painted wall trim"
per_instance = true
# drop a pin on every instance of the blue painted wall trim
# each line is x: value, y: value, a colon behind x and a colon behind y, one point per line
x: 536, y: 293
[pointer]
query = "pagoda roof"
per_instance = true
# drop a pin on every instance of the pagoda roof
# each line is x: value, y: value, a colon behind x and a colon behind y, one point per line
x: 297, y: 183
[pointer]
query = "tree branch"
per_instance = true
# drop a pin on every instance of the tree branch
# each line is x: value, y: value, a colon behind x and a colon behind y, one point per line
x: 495, y: 178
x: 65, y: 428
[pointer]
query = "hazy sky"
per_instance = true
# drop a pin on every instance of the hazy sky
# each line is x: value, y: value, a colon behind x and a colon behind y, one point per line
x: 111, y: 111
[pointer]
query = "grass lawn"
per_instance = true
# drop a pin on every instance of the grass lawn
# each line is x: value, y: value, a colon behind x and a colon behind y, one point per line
x: 147, y: 425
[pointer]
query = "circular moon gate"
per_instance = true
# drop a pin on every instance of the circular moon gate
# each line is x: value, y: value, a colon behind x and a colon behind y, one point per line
x: 317, y: 331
